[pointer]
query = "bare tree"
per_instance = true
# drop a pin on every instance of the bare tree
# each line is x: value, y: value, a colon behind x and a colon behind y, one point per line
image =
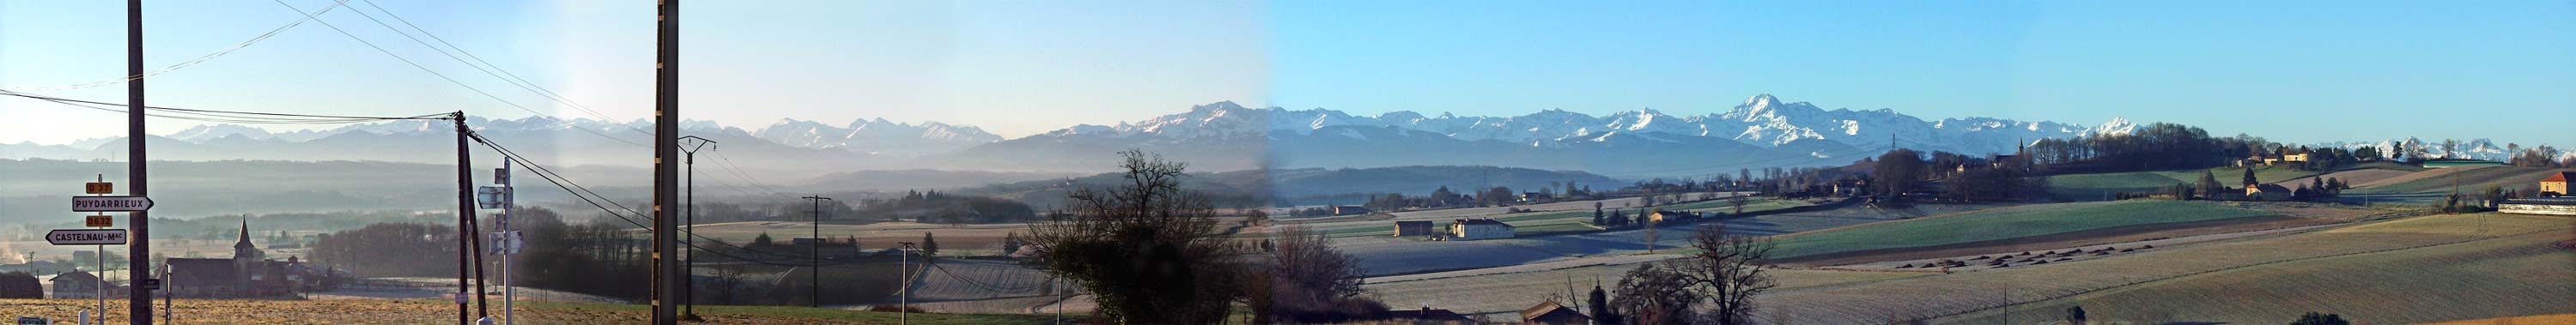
x: 1726, y: 273
x: 1146, y: 250
x: 1655, y: 295
x: 1309, y: 281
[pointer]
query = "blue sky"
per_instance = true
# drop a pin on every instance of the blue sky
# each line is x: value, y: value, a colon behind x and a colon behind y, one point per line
x: 2289, y: 71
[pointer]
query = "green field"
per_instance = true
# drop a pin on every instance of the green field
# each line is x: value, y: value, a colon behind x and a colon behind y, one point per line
x: 2005, y: 223
x: 2431, y: 186
x: 1557, y: 222
x: 2508, y: 276
x: 2094, y: 187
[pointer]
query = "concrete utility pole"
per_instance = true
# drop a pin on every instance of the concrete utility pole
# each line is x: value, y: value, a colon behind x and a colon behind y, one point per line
x: 814, y: 280
x: 666, y: 125
x: 689, y: 278
x: 139, y: 254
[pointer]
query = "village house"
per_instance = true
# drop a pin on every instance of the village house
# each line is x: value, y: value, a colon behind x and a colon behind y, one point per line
x: 1553, y: 314
x: 2553, y: 198
x: 1413, y: 228
x: 248, y: 274
x: 2556, y: 184
x: 2267, y: 192
x: 1474, y: 229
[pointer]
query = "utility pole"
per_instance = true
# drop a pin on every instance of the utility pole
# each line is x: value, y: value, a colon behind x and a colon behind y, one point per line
x: 903, y: 286
x: 666, y: 125
x: 509, y: 197
x: 689, y: 278
x: 464, y: 219
x: 139, y: 297
x: 814, y: 280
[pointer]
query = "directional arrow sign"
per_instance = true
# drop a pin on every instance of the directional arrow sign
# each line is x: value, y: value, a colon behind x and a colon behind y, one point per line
x: 86, y: 237
x: 111, y: 203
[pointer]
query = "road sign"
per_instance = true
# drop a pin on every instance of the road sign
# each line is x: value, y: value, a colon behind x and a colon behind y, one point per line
x: 111, y: 204
x: 22, y: 320
x: 507, y: 242
x: 501, y: 176
x: 86, y: 237
x: 102, y: 188
x: 101, y: 221
x: 492, y: 197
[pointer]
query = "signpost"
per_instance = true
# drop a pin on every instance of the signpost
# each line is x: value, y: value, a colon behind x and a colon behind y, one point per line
x: 86, y: 237
x: 111, y: 204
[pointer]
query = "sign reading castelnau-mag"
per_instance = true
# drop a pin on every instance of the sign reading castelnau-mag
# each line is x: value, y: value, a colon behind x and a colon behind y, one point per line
x: 86, y: 237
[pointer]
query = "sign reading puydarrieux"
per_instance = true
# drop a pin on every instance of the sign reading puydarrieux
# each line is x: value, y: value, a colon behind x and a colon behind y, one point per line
x: 111, y: 203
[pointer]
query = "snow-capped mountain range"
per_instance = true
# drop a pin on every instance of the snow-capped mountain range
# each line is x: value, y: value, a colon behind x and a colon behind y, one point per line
x: 1761, y: 131
x: 2484, y: 149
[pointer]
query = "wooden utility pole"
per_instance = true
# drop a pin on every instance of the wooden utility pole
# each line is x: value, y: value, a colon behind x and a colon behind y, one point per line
x: 464, y: 218
x: 139, y: 254
x: 666, y: 145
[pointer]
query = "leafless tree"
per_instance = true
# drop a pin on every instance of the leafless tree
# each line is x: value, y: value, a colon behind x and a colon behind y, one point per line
x: 1146, y: 250
x: 1726, y: 272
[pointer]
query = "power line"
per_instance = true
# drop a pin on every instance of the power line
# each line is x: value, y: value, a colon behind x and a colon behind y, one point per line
x: 219, y: 116
x: 512, y: 78
x: 189, y: 63
x: 584, y: 193
x: 727, y: 163
x: 442, y: 76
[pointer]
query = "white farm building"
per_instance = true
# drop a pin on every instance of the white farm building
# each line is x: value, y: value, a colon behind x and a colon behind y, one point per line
x: 1474, y: 229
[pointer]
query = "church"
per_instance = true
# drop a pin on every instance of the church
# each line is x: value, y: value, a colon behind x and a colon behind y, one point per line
x: 248, y: 274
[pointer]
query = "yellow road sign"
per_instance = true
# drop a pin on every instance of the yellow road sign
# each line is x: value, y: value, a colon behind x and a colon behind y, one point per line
x: 102, y: 188
x: 102, y: 221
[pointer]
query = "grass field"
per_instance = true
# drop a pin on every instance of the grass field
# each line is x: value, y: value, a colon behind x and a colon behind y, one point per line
x: 2094, y: 187
x: 2004, y: 223
x: 63, y: 311
x: 2431, y: 185
x: 1954, y: 297
x: 2506, y: 276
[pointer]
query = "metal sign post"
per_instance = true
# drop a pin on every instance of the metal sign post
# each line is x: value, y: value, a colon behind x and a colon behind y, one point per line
x: 506, y: 242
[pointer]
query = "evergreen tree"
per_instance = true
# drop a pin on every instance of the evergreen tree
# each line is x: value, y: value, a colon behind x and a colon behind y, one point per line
x: 762, y: 240
x: 1602, y: 314
x: 929, y: 245
x: 2249, y: 177
x: 2209, y: 184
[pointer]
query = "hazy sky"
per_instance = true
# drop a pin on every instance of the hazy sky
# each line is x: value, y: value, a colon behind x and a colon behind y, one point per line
x: 2303, y: 72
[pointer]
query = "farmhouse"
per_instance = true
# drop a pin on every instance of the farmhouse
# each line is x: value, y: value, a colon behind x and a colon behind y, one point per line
x: 2559, y: 206
x: 2458, y: 162
x: 1660, y: 215
x: 1554, y: 314
x: 2296, y: 157
x: 1535, y: 197
x: 2267, y: 192
x: 1413, y: 228
x: 2556, y: 184
x: 1346, y: 210
x: 80, y: 285
x: 1474, y: 229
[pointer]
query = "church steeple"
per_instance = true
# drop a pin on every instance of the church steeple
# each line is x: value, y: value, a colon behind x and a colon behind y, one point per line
x: 242, y: 248
x: 244, y: 242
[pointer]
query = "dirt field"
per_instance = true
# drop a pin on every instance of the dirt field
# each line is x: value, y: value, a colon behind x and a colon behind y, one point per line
x: 1967, y: 292
x: 2109, y: 236
x: 2350, y: 177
